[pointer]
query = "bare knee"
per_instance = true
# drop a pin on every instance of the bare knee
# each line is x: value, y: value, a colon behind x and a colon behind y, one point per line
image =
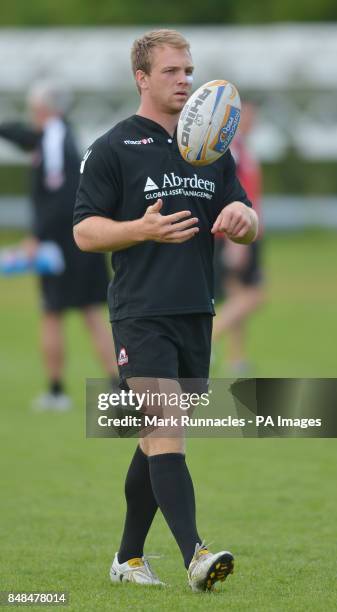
x: 52, y: 318
x: 160, y: 446
x: 92, y: 316
x: 259, y: 296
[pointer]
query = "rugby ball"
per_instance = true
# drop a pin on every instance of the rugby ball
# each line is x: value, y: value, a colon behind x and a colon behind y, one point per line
x: 208, y: 122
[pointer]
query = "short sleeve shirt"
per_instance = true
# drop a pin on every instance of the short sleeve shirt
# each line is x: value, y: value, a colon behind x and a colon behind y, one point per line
x: 125, y: 171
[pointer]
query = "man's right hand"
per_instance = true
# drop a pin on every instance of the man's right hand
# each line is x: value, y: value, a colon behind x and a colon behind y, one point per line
x: 30, y: 246
x: 175, y: 228
x: 98, y: 234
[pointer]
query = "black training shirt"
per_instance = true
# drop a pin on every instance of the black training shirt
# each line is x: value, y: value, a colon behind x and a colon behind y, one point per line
x: 124, y: 172
x: 53, y: 148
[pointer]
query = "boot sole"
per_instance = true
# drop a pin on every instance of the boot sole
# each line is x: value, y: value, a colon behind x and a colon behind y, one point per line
x: 219, y: 570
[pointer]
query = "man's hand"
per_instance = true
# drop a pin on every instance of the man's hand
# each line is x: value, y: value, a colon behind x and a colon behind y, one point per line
x: 98, y: 234
x: 30, y: 246
x: 238, y: 222
x: 175, y: 228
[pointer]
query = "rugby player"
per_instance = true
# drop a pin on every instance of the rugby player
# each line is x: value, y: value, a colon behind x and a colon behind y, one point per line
x: 157, y: 214
x: 55, y: 164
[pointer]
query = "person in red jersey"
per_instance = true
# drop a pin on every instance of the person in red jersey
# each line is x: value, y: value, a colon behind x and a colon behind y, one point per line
x: 242, y: 273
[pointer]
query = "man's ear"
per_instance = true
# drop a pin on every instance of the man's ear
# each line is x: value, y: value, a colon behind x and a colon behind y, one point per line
x: 141, y: 80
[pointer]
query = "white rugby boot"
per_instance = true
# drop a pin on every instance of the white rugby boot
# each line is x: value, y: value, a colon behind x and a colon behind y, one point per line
x: 136, y: 570
x: 58, y: 402
x: 207, y: 568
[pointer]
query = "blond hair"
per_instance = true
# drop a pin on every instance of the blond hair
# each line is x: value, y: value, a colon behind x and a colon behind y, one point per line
x: 141, y: 52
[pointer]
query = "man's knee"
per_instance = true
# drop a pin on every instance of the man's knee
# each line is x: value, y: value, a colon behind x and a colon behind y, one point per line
x: 161, y: 446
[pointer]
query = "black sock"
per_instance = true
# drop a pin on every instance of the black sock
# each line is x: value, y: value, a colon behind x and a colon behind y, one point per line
x: 141, y: 508
x: 56, y: 387
x: 115, y: 382
x: 173, y: 488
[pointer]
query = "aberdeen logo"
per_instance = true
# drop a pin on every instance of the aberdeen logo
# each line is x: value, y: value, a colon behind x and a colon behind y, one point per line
x: 139, y: 142
x: 150, y: 185
x: 187, y: 182
x: 123, y: 357
x: 172, y: 184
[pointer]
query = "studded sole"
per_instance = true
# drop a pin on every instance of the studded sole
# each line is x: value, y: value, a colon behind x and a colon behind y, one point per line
x: 219, y: 571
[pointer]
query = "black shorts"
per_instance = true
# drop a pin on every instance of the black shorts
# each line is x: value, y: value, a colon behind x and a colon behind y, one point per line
x: 251, y: 274
x: 84, y: 281
x: 172, y: 346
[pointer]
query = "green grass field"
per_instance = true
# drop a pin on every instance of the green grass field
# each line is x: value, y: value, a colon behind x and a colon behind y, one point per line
x: 271, y: 501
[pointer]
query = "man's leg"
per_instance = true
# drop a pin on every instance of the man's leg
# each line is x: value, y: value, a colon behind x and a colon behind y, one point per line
x: 242, y: 302
x: 101, y: 339
x: 170, y: 479
x: 141, y: 508
x: 52, y: 345
x: 237, y: 344
x: 173, y: 489
x: 231, y: 319
x: 141, y: 501
x: 169, y: 476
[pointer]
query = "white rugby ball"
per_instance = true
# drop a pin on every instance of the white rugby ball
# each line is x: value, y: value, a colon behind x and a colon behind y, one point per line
x: 208, y: 122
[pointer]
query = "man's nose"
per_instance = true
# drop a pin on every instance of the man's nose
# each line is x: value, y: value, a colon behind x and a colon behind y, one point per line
x: 183, y: 78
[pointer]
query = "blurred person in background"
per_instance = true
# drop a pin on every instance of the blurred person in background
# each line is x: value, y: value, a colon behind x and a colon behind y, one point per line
x: 241, y: 271
x: 55, y: 165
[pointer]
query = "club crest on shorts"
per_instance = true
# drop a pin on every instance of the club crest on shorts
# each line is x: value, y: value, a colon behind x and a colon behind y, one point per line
x: 123, y: 357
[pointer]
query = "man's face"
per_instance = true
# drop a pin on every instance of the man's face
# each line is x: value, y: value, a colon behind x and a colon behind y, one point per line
x: 169, y: 83
x: 39, y: 113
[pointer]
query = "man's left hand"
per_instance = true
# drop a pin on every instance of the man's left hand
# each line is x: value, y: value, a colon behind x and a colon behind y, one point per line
x: 238, y: 222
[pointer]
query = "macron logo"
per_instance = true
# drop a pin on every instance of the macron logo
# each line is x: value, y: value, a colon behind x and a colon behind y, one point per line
x: 139, y: 142
x: 150, y: 185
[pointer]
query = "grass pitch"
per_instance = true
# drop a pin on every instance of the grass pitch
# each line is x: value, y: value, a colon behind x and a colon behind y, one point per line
x: 271, y: 502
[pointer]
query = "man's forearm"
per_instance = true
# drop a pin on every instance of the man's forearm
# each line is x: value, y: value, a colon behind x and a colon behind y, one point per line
x: 18, y: 133
x: 98, y: 234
